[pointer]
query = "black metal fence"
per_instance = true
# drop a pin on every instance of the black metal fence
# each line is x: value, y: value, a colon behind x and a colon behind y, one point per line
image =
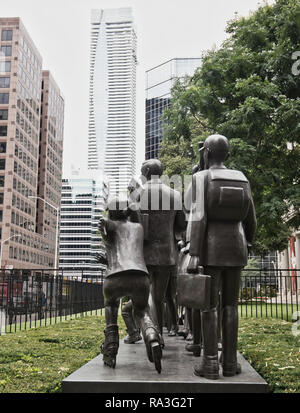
x: 32, y: 298
x: 270, y: 293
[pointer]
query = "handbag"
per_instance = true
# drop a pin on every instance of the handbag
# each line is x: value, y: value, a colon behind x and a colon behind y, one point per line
x: 193, y: 289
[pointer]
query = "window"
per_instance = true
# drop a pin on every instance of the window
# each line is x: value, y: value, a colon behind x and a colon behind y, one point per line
x: 2, y: 164
x: 4, y: 67
x: 2, y: 147
x: 4, y: 98
x: 4, y: 82
x: 5, y: 51
x: 3, y: 114
x: 2, y: 180
x: 6, y: 35
x: 1, y: 197
x: 1, y: 212
x: 3, y: 131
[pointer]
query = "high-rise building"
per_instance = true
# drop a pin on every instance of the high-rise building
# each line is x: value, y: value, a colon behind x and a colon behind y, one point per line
x: 31, y: 124
x: 159, y: 82
x: 83, y: 200
x: 112, y: 131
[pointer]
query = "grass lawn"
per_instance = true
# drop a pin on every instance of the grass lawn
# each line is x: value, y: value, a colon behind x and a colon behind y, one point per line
x: 37, y: 360
x: 271, y: 348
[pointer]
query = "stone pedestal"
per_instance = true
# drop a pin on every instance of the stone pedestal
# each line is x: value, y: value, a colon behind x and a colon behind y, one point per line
x: 135, y: 374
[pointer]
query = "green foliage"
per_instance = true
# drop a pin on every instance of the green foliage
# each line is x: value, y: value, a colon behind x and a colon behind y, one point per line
x: 246, y: 91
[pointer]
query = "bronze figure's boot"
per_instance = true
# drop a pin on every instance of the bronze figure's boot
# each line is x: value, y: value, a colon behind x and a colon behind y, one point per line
x: 109, y: 348
x: 153, y: 344
x: 209, y: 365
x: 229, y: 341
x: 194, y: 348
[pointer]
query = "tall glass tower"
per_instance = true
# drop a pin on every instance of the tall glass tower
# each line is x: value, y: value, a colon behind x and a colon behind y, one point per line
x: 159, y: 82
x: 112, y: 136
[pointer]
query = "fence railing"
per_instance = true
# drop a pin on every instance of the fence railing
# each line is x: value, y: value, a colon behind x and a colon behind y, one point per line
x: 270, y: 293
x: 32, y: 298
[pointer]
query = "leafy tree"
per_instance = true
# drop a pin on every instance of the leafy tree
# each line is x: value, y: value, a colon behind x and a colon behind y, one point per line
x: 246, y: 90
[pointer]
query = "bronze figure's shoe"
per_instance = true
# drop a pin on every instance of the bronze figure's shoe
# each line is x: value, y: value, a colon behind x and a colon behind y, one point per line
x: 194, y: 348
x: 109, y: 348
x: 172, y: 332
x: 153, y: 347
x: 133, y: 338
x: 231, y: 370
x: 208, y: 367
x: 189, y: 337
x: 183, y: 333
x: 156, y: 355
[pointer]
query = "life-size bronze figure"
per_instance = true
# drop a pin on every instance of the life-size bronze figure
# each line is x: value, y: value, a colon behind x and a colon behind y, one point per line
x: 221, y: 228
x: 127, y: 276
x: 162, y: 206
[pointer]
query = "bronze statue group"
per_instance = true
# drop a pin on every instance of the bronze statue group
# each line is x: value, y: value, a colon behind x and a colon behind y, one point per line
x: 213, y: 229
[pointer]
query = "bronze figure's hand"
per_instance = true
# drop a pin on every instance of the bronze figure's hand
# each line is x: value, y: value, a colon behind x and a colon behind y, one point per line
x: 193, y: 264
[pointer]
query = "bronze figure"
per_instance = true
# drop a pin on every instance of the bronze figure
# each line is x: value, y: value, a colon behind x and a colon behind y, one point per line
x: 127, y: 276
x: 162, y: 206
x: 221, y: 227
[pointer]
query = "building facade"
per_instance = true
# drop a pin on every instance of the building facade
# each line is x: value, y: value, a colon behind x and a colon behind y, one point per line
x: 112, y: 104
x: 23, y: 244
x: 159, y: 82
x: 83, y: 200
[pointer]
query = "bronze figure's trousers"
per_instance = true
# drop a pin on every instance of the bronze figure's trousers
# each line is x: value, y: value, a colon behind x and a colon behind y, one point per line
x: 226, y: 280
x: 160, y: 278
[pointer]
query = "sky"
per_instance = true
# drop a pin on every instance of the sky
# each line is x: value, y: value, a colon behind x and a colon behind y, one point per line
x: 165, y: 29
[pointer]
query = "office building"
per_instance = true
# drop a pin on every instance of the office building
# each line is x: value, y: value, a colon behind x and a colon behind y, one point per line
x: 83, y: 200
x: 24, y: 152
x: 112, y: 104
x: 159, y: 82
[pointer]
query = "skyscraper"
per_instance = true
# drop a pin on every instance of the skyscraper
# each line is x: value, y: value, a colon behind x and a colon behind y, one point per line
x: 29, y: 144
x: 83, y: 200
x: 159, y: 82
x: 112, y: 135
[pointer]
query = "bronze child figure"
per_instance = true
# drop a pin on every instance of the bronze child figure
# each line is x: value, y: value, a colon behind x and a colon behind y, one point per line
x: 126, y: 275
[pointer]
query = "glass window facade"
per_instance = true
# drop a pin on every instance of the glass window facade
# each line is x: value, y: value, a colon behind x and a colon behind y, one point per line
x: 159, y: 82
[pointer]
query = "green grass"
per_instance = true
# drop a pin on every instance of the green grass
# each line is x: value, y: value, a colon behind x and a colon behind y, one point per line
x: 37, y: 360
x: 271, y: 348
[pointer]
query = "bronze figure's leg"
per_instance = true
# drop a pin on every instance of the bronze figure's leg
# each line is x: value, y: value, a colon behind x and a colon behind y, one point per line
x: 131, y: 328
x: 195, y: 348
x: 230, y: 290
x: 109, y: 348
x: 159, y: 282
x: 143, y: 318
x: 209, y: 365
x: 172, y: 305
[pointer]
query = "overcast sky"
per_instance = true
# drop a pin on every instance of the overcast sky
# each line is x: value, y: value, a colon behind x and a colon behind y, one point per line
x: 165, y: 29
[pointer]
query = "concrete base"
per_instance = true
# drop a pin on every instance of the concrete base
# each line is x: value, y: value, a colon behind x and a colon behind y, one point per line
x: 135, y: 374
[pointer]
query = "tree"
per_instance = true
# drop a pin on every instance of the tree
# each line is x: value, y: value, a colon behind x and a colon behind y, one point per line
x: 246, y: 90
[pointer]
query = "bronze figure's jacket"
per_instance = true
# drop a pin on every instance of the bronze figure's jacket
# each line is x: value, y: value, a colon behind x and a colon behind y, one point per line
x: 161, y: 207
x: 222, y: 220
x: 124, y: 247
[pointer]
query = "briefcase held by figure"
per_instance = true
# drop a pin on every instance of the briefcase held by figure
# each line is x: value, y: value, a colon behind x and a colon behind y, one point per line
x: 193, y: 289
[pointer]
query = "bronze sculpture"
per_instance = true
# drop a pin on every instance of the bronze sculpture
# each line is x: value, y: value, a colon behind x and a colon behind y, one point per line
x: 163, y: 208
x: 126, y: 275
x: 221, y: 228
